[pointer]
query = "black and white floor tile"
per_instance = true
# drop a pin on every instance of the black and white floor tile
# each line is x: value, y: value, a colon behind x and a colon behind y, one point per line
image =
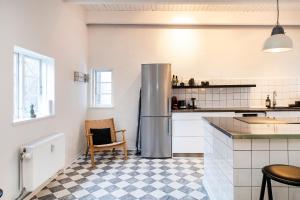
x: 135, y: 178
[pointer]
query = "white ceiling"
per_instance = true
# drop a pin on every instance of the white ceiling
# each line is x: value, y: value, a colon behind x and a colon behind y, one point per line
x: 186, y: 5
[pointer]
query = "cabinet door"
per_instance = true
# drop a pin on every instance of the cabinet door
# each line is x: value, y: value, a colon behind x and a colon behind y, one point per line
x: 187, y: 145
x: 156, y: 137
x: 283, y: 114
x: 187, y: 128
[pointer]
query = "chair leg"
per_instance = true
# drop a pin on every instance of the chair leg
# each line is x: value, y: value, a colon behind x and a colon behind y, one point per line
x: 125, y: 151
x: 269, y: 189
x: 87, y: 151
x: 262, y: 189
x: 92, y: 156
x: 114, y: 151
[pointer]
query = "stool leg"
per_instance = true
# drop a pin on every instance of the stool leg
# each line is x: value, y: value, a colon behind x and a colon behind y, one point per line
x: 269, y: 189
x: 262, y: 189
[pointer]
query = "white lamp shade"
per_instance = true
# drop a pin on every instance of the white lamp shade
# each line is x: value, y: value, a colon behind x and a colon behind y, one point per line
x: 278, y: 43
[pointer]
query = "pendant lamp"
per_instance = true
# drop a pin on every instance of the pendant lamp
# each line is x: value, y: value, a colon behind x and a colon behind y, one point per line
x: 278, y: 41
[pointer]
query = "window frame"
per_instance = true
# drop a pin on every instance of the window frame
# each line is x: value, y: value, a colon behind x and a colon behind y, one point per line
x: 93, y: 104
x: 46, y: 75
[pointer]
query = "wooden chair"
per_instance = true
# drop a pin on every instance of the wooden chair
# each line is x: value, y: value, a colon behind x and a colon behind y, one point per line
x: 100, y: 124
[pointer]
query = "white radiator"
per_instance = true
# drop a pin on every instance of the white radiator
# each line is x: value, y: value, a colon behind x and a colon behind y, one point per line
x: 43, y: 158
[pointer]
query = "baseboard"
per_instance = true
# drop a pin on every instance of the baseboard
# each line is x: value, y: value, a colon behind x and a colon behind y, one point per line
x: 187, y: 154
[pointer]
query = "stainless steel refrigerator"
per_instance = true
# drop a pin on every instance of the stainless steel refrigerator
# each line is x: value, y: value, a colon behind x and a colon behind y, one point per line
x: 156, y: 127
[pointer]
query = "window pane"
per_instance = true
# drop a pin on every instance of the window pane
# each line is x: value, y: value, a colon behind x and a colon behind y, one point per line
x: 33, y: 85
x: 97, y: 76
x: 105, y: 76
x: 106, y: 99
x: 31, y: 67
x: 105, y: 88
x: 102, y: 88
x: 16, y: 83
x: 97, y: 100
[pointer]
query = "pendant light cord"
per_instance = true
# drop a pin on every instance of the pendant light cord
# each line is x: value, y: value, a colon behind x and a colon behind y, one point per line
x: 277, y: 12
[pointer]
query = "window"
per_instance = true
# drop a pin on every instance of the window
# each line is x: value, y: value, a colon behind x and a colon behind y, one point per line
x: 33, y: 85
x: 101, y: 88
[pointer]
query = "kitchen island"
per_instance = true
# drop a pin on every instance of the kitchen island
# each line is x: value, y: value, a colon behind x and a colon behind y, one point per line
x: 235, y: 150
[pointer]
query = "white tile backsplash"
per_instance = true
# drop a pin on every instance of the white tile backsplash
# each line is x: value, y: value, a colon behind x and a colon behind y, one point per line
x: 260, y: 159
x: 242, y: 159
x: 288, y: 91
x: 241, y: 177
x: 278, y: 144
x: 260, y: 144
x: 256, y: 177
x: 242, y: 193
x: 294, y: 144
x: 279, y: 157
x: 294, y: 193
x: 294, y: 158
x: 242, y: 144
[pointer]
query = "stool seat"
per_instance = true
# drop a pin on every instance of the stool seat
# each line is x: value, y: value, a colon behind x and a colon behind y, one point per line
x: 285, y: 174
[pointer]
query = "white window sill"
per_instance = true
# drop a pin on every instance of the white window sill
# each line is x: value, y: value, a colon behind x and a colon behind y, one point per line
x: 102, y: 106
x: 29, y: 120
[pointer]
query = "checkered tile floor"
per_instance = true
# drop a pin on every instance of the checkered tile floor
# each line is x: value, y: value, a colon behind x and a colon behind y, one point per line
x: 135, y: 178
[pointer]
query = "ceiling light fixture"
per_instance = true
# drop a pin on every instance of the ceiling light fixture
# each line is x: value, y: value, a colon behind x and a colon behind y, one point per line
x: 278, y: 41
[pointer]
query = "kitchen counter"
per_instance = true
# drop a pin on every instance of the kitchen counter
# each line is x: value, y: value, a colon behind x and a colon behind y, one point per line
x: 257, y: 127
x: 236, y: 109
x: 236, y: 149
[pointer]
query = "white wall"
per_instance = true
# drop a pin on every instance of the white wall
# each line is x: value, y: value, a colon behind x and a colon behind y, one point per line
x: 203, y: 52
x: 56, y: 30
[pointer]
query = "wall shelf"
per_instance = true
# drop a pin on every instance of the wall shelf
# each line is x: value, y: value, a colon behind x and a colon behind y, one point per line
x: 215, y: 86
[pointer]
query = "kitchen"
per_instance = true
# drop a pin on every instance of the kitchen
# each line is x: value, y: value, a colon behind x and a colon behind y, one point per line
x: 224, y: 77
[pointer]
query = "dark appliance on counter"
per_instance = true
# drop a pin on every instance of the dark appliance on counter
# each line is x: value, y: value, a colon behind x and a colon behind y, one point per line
x: 192, y: 82
x: 205, y: 83
x: 174, y: 103
x: 181, y: 104
x: 193, y: 103
x: 295, y: 105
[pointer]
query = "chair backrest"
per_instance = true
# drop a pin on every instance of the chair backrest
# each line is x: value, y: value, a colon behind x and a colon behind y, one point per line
x: 104, y: 123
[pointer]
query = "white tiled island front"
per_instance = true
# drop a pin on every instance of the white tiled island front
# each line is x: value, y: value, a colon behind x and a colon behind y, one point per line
x: 235, y: 151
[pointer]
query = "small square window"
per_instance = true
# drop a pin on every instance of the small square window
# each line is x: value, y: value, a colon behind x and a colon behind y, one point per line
x: 33, y: 85
x: 101, y: 90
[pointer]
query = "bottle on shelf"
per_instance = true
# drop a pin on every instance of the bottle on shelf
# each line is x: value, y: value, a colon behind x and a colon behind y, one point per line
x: 268, y: 102
x: 173, y: 81
x: 176, y: 80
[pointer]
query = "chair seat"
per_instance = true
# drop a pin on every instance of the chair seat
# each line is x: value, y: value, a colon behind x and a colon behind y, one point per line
x: 109, y: 145
x: 286, y: 174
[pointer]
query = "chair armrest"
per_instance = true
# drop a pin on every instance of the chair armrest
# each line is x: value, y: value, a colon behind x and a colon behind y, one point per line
x: 122, y: 130
x: 123, y: 134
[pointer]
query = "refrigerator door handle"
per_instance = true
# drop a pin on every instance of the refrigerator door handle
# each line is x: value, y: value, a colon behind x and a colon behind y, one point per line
x: 169, y: 105
x: 169, y: 126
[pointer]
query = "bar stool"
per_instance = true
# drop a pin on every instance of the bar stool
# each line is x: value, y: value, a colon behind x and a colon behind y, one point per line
x: 286, y: 174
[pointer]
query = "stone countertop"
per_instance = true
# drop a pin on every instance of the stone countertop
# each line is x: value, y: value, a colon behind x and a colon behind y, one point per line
x: 236, y: 109
x: 257, y: 127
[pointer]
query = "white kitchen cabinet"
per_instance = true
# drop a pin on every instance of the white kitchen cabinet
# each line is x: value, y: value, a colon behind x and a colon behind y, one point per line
x: 283, y: 114
x: 188, y: 144
x: 188, y: 130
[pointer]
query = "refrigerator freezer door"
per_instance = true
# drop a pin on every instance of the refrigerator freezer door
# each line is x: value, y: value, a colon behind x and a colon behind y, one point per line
x: 156, y: 90
x: 156, y: 136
